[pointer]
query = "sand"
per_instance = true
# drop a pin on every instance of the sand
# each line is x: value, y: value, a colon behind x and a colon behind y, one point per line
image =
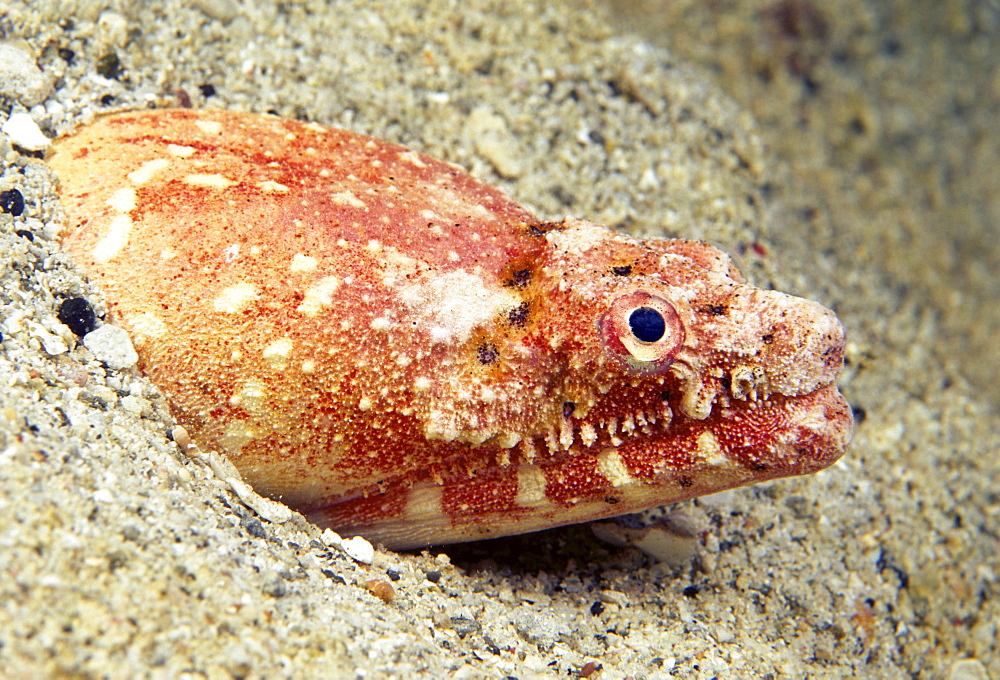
x: 841, y: 152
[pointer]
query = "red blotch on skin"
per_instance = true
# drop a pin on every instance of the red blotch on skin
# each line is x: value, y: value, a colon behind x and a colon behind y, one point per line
x: 480, y: 496
x: 575, y: 479
x: 361, y: 510
x: 674, y: 450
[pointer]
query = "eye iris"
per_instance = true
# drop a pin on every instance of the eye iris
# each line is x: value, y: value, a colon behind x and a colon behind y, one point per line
x: 647, y: 324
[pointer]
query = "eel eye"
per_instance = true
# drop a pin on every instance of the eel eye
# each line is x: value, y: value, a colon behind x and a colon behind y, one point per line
x: 642, y: 332
x: 647, y: 324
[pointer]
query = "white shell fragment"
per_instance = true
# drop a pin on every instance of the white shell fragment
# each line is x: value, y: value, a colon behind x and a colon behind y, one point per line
x: 358, y: 549
x: 25, y: 133
x: 112, y: 346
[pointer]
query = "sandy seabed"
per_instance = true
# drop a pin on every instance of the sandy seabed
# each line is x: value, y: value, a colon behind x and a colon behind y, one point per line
x: 845, y: 153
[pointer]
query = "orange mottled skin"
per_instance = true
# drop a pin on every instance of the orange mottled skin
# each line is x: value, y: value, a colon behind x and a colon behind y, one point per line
x: 400, y: 351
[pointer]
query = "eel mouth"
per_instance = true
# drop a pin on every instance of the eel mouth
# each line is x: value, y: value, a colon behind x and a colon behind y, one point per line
x: 785, y: 436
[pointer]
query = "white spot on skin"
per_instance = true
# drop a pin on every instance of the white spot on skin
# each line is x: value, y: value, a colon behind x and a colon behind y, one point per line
x: 347, y: 198
x: 147, y: 325
x: 439, y: 425
x: 611, y: 466
x: 114, y: 240
x: 148, y: 170
x: 250, y: 397
x: 381, y: 324
x: 319, y: 296
x: 506, y: 440
x: 273, y: 187
x: 209, y: 127
x: 237, y: 435
x: 303, y: 263
x: 180, y: 151
x: 214, y: 181
x: 422, y: 383
x: 276, y: 354
x: 709, y: 450
x: 530, y: 487
x: 413, y: 158
x: 123, y: 200
x: 235, y: 299
x: 365, y: 404
x: 440, y: 334
x: 231, y: 253
x: 309, y: 366
x: 578, y: 236
x: 455, y: 303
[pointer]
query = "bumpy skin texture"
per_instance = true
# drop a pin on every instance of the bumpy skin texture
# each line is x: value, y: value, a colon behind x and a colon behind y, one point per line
x: 400, y: 351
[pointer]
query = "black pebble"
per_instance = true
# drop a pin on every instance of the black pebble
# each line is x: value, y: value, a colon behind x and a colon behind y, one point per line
x: 11, y: 201
x: 109, y: 66
x: 253, y: 527
x: 78, y: 315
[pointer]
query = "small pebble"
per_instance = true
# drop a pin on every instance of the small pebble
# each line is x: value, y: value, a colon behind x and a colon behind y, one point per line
x: 359, y: 549
x: 135, y: 405
x: 112, y: 346
x: 220, y: 10
x: 51, y: 343
x: 12, y: 202
x: 78, y: 315
x: 494, y: 142
x: 968, y: 669
x: 272, y: 511
x: 275, y: 587
x: 331, y: 539
x: 381, y: 589
x: 25, y: 133
x: 20, y: 78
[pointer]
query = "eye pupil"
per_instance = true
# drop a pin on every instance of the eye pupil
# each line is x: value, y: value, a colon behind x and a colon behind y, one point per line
x: 647, y: 324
